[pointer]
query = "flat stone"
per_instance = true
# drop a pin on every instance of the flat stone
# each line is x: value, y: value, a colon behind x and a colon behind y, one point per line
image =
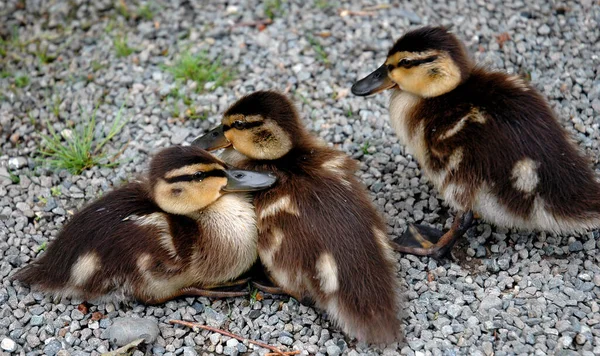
x: 8, y: 345
x: 126, y: 330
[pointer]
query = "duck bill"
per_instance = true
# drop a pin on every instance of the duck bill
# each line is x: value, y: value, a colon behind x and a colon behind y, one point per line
x: 212, y: 140
x: 373, y: 83
x: 248, y: 181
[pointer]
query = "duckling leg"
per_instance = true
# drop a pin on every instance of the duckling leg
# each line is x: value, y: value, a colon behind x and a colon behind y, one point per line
x: 197, y: 292
x: 264, y: 287
x: 237, y: 283
x: 426, y: 241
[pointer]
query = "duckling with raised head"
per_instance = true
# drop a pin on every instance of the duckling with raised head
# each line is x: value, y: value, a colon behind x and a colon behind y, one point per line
x: 320, y: 237
x: 177, y: 233
x: 488, y: 141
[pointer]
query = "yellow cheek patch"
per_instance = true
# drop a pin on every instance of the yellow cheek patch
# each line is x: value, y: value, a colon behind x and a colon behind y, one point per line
x: 185, y: 198
x: 193, y: 168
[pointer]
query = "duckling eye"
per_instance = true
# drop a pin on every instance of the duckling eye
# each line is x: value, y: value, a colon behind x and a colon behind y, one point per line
x: 403, y: 62
x: 239, y: 125
x: 198, y: 175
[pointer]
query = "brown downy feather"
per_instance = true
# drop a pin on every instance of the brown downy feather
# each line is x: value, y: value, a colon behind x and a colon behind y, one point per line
x: 317, y: 219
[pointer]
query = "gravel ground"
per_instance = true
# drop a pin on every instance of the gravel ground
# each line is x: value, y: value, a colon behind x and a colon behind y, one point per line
x: 506, y: 293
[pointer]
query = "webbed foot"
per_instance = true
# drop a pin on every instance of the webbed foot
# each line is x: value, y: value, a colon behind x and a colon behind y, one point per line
x: 423, y: 240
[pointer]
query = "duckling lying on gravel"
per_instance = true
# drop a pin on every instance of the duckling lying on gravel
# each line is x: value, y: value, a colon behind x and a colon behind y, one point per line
x: 178, y: 233
x: 488, y: 142
x: 320, y: 237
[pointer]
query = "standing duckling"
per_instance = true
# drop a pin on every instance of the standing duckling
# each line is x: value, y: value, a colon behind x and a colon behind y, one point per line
x: 176, y: 234
x: 320, y: 238
x: 488, y: 142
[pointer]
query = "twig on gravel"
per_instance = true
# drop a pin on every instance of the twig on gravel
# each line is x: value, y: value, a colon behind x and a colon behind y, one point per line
x: 257, y: 23
x: 275, y: 350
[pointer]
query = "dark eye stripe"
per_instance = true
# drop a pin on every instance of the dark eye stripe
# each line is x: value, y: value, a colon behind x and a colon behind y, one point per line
x: 191, y: 177
x: 416, y: 62
x: 247, y: 125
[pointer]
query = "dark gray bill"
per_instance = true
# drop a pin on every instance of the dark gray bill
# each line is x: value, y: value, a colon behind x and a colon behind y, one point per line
x: 212, y: 140
x: 247, y: 181
x: 373, y: 83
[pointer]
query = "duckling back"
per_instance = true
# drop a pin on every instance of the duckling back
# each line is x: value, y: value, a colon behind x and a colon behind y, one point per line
x: 96, y: 249
x: 323, y: 242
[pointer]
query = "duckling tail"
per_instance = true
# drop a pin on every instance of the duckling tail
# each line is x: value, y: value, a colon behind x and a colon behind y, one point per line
x: 366, y: 302
x: 34, y: 274
x: 374, y: 320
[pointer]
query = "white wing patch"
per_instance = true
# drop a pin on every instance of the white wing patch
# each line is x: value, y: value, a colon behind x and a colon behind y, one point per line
x: 84, y: 268
x: 327, y: 273
x: 283, y: 204
x: 525, y: 175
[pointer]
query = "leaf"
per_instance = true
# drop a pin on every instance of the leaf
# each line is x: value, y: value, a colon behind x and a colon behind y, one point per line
x: 97, y: 316
x: 125, y: 350
x: 83, y: 308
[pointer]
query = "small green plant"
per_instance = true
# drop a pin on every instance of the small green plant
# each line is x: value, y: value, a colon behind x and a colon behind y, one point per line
x: 121, y: 46
x: 318, y: 48
x: 123, y: 10
x: 55, y: 191
x: 365, y: 147
x: 42, y: 199
x: 3, y: 48
x: 146, y: 12
x: 110, y: 26
x: 22, y: 81
x: 323, y: 4
x: 175, y: 112
x: 43, y: 56
x: 200, y: 69
x: 272, y: 8
x: 56, y: 106
x: 4, y: 73
x: 255, y: 296
x: 42, y: 247
x: 349, y: 113
x: 174, y: 92
x: 79, y: 150
x: 13, y: 177
x: 192, y: 114
x: 96, y: 65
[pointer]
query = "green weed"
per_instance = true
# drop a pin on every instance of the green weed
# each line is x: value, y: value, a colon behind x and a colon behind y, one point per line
x: 79, y: 151
x: 318, y: 48
x: 121, y: 46
x: 200, y: 69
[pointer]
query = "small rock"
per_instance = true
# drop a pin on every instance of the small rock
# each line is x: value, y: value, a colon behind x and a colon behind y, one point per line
x: 576, y: 246
x: 189, y: 351
x: 52, y: 348
x: 17, y: 163
x: 411, y: 16
x: 8, y: 345
x: 544, y: 30
x: 37, y: 320
x: 126, y: 330
x: 286, y: 340
x: 334, y: 350
x: 179, y: 135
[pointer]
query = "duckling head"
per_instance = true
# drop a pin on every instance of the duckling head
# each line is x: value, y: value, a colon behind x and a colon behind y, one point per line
x: 184, y: 180
x: 263, y: 126
x: 427, y: 62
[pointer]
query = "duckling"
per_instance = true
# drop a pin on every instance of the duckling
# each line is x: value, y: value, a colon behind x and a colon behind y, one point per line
x: 320, y: 238
x: 177, y: 233
x: 488, y: 141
